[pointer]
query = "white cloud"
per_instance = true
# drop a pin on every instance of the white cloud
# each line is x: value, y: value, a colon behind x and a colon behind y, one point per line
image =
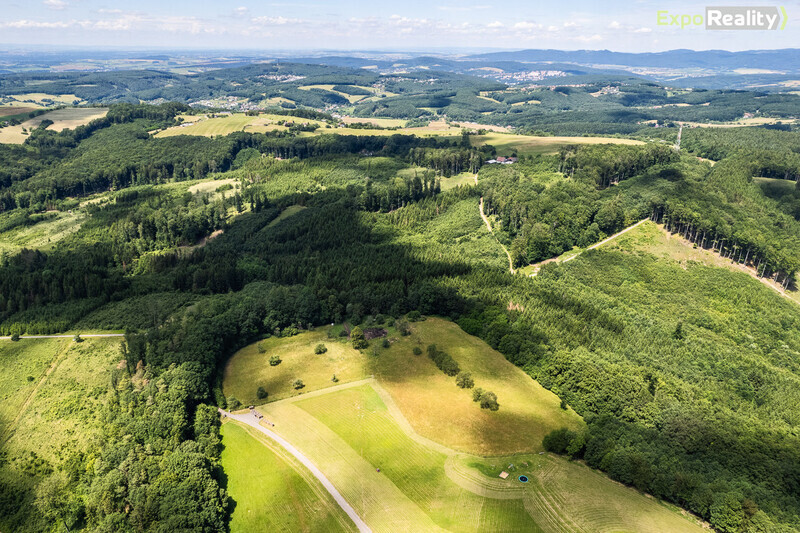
x: 614, y: 25
x: 495, y: 24
x: 57, y: 5
x: 527, y: 25
x: 275, y: 21
x: 34, y: 24
x: 643, y: 30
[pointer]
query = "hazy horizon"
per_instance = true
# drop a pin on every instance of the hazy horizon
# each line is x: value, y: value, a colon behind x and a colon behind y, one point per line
x: 359, y: 25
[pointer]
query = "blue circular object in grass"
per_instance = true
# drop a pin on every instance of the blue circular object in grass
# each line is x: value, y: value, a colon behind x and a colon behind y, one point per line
x: 523, y: 479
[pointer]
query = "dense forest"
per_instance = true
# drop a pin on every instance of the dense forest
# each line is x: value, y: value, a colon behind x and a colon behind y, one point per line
x: 687, y: 378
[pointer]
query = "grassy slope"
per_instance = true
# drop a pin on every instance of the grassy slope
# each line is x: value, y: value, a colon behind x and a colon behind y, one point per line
x: 527, y: 411
x: 248, y: 369
x: 654, y: 239
x: 362, y: 420
x: 60, y: 416
x: 423, y: 487
x: 526, y: 144
x: 68, y: 118
x: 271, y: 491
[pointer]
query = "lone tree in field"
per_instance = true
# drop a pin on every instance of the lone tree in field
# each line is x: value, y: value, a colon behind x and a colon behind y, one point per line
x: 464, y: 380
x: 15, y: 337
x: 320, y: 349
x: 262, y: 393
x: 275, y: 360
x: 489, y: 401
x: 233, y: 403
x: 77, y: 338
x: 476, y: 394
x: 357, y: 338
x: 417, y: 350
x: 298, y: 384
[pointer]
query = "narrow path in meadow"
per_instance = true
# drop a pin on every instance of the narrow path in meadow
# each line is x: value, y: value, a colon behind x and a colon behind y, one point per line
x: 83, y: 336
x: 24, y: 407
x: 251, y: 420
x: 489, y: 227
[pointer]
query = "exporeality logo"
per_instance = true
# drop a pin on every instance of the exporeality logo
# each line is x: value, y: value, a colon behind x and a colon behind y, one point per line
x: 728, y: 18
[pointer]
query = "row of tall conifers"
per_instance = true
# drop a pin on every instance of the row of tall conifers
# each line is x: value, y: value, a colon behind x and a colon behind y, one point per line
x: 750, y: 249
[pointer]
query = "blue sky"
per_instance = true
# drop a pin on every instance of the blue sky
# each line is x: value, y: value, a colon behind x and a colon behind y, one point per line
x: 359, y: 25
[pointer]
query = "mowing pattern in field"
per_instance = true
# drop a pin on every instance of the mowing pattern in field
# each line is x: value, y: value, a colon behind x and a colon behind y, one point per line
x: 361, y: 419
x: 271, y: 491
x: 459, y: 492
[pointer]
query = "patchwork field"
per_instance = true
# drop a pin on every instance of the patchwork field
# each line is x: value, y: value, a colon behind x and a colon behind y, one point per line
x: 527, y: 411
x: 272, y: 491
x: 44, y: 99
x: 527, y: 145
x: 410, y: 451
x: 397, y: 480
x: 67, y: 118
x: 51, y: 391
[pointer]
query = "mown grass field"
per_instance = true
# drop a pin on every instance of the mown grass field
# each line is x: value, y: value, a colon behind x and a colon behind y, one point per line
x: 49, y: 419
x: 271, y: 490
x: 530, y: 145
x: 67, y: 118
x: 438, y: 453
x: 422, y: 486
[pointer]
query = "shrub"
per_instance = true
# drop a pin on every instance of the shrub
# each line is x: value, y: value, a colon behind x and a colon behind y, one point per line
x: 464, y: 380
x: 357, y: 338
x: 489, y: 401
x: 414, y: 316
x: 403, y: 327
x: 14, y: 337
x: 262, y: 348
x: 77, y: 338
x: 476, y: 394
x: 275, y: 360
x: 417, y: 350
x: 334, y: 378
x: 386, y: 343
x: 262, y: 393
x: 298, y: 384
x: 320, y: 349
x: 233, y: 403
x: 443, y: 361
